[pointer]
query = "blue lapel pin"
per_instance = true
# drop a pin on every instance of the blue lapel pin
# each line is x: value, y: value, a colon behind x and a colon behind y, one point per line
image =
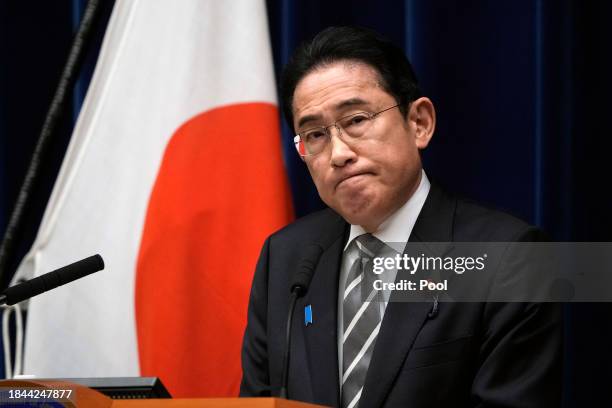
x: 307, y: 315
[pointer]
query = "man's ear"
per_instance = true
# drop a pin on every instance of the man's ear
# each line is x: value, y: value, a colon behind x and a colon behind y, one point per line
x: 422, y: 116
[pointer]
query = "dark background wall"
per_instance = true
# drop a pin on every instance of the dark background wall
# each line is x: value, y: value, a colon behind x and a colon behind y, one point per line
x: 522, y: 91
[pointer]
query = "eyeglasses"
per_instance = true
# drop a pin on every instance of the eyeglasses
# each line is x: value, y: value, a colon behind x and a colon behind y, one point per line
x: 313, y: 141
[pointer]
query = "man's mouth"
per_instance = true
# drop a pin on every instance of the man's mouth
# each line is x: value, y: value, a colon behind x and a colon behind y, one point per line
x: 352, y: 177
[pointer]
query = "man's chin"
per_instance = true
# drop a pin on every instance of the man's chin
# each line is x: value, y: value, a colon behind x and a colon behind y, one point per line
x: 358, y: 215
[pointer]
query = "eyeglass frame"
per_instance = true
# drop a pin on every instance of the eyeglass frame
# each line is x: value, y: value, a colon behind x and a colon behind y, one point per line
x: 371, y: 116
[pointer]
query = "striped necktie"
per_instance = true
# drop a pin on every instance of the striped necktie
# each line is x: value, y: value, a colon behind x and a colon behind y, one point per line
x: 361, y: 320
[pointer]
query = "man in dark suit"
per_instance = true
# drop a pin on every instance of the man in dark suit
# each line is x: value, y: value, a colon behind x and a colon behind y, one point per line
x: 360, y: 123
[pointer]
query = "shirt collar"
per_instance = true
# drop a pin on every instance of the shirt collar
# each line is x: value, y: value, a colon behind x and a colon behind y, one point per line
x: 398, y: 227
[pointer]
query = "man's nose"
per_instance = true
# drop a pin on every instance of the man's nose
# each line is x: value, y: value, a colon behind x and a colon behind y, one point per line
x: 341, y: 152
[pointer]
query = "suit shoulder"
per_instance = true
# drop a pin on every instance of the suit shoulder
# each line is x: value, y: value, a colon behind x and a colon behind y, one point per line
x: 479, y: 222
x: 313, y: 227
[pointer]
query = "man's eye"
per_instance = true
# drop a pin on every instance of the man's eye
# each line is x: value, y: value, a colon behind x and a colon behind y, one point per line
x: 314, y: 135
x: 357, y: 120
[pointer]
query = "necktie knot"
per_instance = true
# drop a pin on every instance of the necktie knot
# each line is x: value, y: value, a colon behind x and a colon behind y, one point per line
x: 368, y: 245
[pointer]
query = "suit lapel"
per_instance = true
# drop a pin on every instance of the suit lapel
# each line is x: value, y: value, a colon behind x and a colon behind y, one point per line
x: 403, y: 320
x: 321, y: 336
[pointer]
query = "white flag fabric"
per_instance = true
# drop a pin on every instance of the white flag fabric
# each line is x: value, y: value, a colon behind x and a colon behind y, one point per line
x: 174, y: 166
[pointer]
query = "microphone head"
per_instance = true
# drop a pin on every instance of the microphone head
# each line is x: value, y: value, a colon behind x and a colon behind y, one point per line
x: 305, y: 269
x: 89, y: 265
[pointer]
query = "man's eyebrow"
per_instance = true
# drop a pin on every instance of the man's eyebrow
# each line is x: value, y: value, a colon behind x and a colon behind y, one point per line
x: 308, y: 118
x: 351, y: 102
x: 344, y: 104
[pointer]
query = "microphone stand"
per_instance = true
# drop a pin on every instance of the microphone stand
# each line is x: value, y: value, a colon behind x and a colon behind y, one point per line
x: 80, y: 45
x: 295, y: 294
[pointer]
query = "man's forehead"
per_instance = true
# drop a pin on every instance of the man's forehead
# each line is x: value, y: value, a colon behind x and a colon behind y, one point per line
x: 334, y: 87
x: 341, y: 73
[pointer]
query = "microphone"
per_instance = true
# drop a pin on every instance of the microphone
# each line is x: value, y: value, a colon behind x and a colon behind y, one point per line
x: 299, y: 287
x: 52, y: 280
x: 306, y: 267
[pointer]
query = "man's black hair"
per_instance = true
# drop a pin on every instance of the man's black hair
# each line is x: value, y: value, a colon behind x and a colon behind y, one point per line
x: 351, y: 44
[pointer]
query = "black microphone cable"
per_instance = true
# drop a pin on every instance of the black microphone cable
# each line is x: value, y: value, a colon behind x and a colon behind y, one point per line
x: 299, y: 287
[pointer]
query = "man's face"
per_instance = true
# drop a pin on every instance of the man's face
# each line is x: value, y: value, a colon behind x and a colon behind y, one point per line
x: 365, y: 181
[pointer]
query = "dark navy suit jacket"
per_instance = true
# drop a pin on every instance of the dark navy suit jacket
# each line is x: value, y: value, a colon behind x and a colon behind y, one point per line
x: 467, y: 355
